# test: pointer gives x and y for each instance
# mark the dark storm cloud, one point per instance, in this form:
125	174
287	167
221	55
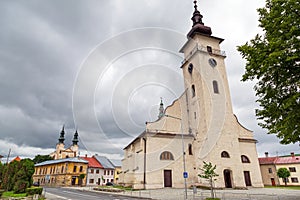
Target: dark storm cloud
44	43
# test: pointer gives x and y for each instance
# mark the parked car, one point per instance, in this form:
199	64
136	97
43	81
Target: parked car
37	184
109	184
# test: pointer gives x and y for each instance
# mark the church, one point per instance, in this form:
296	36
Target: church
198	126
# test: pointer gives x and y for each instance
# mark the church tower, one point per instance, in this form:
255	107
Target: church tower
198	126
74	146
60	146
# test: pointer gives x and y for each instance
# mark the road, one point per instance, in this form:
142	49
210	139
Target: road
71	194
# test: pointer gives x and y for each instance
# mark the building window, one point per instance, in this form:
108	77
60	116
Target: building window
190	68
80	168
62	169
190	149
166	155
112	180
97	171
215	86
270	170
75	168
111	172
104	172
225	154
193	91
92	171
103	180
287	180
292	169
91	181
245	159
294	180
195	115
209	49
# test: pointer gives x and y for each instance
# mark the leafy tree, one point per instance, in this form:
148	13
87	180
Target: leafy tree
283	173
81	177
273	59
41	158
208	172
17	175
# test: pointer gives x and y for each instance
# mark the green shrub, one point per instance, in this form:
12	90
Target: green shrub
34	190
212	199
20	186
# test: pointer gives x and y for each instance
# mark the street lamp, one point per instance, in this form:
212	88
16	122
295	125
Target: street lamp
185	174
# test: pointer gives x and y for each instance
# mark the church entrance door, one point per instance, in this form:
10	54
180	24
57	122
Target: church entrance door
227	178
247	178
167	178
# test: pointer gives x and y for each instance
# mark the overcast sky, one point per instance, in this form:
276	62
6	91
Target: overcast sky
101	67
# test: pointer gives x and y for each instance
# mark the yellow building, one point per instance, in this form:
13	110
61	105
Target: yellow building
61	172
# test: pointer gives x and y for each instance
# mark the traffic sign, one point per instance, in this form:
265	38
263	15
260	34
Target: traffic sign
185	174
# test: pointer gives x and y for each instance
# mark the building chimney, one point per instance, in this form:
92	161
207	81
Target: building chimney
292	154
267	154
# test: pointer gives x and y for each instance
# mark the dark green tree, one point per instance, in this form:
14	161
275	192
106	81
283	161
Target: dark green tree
41	158
208	172
283	173
273	59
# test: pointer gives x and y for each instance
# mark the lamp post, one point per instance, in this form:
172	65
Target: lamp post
185	174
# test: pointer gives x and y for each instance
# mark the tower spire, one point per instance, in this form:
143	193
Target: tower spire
61	138
198	25
75	138
161	109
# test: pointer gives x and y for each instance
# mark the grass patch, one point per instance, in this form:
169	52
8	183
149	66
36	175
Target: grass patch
12	194
283	187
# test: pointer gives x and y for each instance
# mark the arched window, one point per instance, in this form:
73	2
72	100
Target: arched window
190	149
245	159
166	155
215	86
225	154
193	91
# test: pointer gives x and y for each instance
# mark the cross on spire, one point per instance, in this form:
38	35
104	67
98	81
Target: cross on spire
198	25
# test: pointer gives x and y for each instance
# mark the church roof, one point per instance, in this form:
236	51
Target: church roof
51	162
157	134
93	162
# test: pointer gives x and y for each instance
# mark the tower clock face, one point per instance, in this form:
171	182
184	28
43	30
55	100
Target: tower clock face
212	62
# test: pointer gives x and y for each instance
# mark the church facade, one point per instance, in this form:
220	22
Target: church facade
198	126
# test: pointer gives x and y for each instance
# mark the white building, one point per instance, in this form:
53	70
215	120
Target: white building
201	122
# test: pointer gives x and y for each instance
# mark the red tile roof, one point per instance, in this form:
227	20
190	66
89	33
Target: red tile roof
279	160
267	160
93	162
288	160
16	159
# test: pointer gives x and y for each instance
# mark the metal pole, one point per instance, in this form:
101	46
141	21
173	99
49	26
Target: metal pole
183	154
183	157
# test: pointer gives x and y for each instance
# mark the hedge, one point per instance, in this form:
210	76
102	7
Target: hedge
34	190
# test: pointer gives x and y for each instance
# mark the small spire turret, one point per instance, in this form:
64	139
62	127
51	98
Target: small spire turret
75	138
61	138
161	109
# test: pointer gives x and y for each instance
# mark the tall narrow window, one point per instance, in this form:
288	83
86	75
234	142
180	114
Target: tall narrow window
195	115
190	149
209	49
75	168
215	86
193	91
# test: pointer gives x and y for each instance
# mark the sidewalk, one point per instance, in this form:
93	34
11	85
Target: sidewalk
228	194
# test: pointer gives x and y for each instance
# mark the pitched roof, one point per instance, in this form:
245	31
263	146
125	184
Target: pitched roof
16	159
267	160
93	162
279	160
50	162
288	160
105	162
